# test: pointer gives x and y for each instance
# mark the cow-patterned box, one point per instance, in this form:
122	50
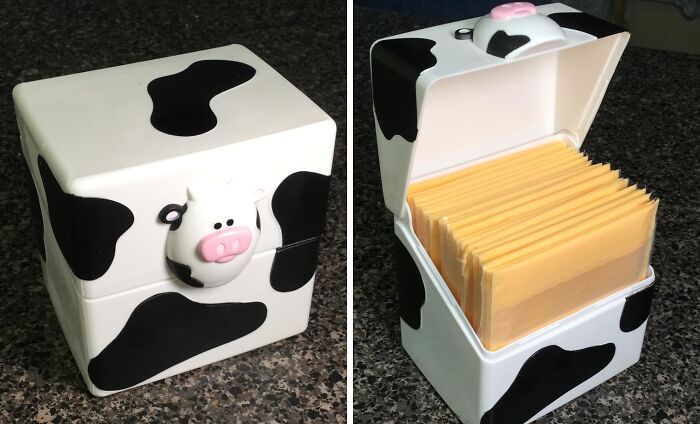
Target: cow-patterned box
458	94
183	201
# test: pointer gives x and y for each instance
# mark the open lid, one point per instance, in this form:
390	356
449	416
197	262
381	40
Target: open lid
453	94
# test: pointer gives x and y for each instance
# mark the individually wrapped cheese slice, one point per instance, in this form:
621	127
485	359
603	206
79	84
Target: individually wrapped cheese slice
430	202
482	215
491	174
565	273
508	160
522	200
483	231
491	194
526	242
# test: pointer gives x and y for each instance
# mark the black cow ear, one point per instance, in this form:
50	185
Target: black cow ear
172	214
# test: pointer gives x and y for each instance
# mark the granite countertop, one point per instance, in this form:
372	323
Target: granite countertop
649	126
300	378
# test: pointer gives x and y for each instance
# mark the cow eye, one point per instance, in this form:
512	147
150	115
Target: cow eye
217	225
229	222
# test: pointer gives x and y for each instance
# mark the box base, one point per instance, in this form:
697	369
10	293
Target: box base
96	329
528	378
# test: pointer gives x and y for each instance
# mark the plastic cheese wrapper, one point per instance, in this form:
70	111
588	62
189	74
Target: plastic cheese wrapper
526	294
524	231
429	193
534	199
459	196
529	238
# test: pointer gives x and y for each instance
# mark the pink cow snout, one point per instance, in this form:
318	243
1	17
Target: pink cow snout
224	245
513	10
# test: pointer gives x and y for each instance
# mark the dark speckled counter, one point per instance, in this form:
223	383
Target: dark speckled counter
298	379
649	126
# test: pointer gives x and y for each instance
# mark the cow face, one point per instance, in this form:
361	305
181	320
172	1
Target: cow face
516	29
213	236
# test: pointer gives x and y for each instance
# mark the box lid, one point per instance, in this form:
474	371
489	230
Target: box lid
111	150
144	112
457	93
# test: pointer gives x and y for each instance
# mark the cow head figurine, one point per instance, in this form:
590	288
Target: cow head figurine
213	236
514	30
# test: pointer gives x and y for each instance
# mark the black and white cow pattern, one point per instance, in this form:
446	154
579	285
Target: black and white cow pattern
86	228
168	328
396	65
409	283
544	377
637	309
502	43
585	23
299	205
181	101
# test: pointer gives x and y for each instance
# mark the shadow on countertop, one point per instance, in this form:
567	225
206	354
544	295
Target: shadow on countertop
300	378
649	126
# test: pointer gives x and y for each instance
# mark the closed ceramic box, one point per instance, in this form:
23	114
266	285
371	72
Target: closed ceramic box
452	96
183	201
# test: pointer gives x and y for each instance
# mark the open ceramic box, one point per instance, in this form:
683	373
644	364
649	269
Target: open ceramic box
183	202
472	106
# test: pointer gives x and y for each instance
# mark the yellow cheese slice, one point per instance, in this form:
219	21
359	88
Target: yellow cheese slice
482	232
529	241
458	192
508	160
559	232
475	177
521	200
488	174
506	187
622	239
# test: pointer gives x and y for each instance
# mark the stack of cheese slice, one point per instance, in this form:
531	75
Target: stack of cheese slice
529	238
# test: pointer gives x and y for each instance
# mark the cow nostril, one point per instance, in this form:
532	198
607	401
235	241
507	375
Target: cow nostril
235	244
220	248
229	222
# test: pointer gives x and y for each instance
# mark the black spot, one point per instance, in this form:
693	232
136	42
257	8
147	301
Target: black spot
86	228
299	204
167	210
547	375
257	219
35	210
396	65
183	273
410	286
229	222
294	265
501	44
586	23
167	329
181	101
637	308
217	225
